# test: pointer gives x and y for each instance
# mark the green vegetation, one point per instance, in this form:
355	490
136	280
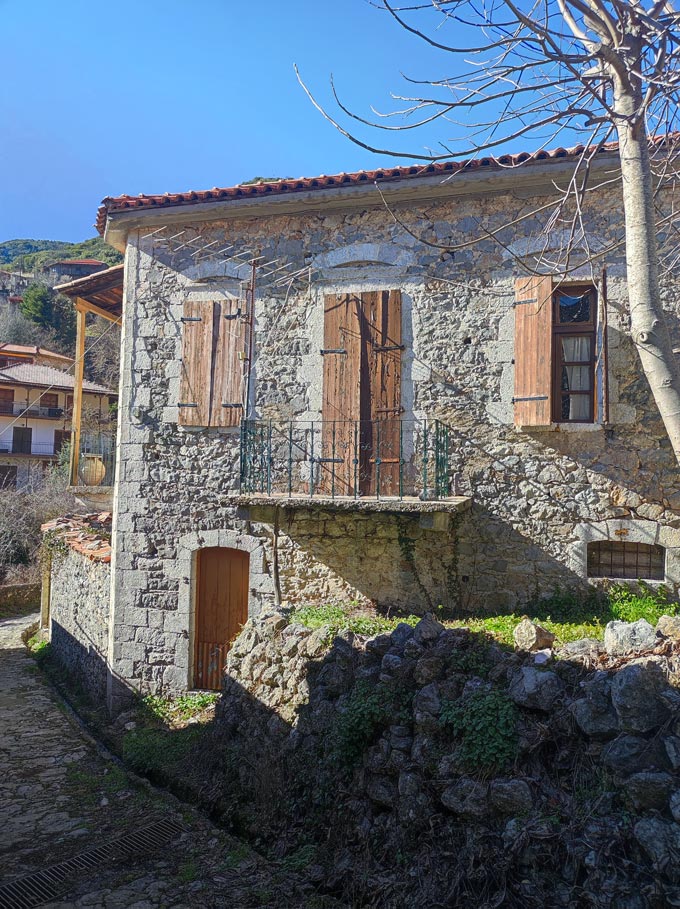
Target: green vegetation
30	255
340	618
569	615
179	709
369	710
154	751
486	723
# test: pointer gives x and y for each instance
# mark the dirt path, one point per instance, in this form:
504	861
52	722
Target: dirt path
60	799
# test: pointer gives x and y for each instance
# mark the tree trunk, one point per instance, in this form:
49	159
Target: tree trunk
648	326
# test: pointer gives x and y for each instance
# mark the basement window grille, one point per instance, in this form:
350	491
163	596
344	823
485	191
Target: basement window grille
627	561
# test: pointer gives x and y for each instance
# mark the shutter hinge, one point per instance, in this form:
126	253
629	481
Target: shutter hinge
332	350
191	319
233	315
523	302
531	398
379	349
185	404
231	405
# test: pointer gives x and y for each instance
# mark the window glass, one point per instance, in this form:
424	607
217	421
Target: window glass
574	309
576	349
576	408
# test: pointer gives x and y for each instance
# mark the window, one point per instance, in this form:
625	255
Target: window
556	351
213	358
573	399
630	561
8	477
6	400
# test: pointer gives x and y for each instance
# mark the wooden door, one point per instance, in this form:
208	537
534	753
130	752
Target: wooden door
22	437
7	400
221	610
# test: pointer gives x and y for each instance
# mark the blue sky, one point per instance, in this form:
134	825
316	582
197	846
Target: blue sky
143	96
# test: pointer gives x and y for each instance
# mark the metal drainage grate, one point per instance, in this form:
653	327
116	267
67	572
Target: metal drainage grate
46	885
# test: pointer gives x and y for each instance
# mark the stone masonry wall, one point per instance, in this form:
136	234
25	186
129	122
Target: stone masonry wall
535	494
79	618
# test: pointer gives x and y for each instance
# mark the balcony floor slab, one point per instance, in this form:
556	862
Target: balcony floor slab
348	504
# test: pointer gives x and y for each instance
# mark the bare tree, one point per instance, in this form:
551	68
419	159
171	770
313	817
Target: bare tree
547	70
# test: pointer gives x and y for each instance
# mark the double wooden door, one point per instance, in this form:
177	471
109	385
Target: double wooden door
221	610
361	413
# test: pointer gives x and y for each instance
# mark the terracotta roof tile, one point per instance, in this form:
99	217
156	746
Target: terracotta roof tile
88	534
46	377
305	184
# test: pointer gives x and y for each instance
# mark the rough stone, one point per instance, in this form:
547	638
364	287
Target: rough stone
510	796
631	754
649	789
674	805
660	840
635	695
669	627
466	797
536	689
530	636
672	745
382	791
624	638
594	721
428	629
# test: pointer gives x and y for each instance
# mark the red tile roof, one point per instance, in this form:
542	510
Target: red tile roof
305	184
24	350
88	534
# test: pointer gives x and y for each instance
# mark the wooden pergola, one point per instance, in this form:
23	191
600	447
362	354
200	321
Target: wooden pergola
102	295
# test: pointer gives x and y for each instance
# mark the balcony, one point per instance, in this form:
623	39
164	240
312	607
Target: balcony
34	411
379	465
31	449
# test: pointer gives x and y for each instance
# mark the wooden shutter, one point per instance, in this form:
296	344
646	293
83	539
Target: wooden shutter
197	356
341	402
229	362
382	390
533	351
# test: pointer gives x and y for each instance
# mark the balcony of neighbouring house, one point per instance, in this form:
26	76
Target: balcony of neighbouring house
34	411
27	448
363	465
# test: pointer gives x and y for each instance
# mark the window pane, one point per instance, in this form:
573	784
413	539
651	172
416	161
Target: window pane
576	378
576	350
576	408
574	309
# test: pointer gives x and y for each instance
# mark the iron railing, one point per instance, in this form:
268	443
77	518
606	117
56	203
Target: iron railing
97	459
347	458
28	447
30	410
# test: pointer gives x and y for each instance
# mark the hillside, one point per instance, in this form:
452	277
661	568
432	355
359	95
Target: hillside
32	254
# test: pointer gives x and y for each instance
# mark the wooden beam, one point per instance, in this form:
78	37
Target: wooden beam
76	416
86	306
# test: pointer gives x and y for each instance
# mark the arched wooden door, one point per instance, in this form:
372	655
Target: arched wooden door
221	610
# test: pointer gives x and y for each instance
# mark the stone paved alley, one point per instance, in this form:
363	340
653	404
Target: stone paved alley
59	797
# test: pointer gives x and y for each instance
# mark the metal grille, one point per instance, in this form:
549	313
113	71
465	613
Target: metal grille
347	458
46	885
629	561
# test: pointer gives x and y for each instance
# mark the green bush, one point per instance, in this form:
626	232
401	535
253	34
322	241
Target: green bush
486	723
369	710
628	604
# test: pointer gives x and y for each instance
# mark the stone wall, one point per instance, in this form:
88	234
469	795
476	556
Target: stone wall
562	767
532	491
79	618
19	597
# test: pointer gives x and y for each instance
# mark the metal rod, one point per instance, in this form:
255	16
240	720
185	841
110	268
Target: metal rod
311	471
401	459
425	443
333	467
290	458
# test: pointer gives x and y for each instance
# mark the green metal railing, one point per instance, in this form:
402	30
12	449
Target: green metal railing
346	458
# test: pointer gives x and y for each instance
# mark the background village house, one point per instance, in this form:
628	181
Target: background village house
317	403
36	403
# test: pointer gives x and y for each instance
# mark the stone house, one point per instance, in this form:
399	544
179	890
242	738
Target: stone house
330	391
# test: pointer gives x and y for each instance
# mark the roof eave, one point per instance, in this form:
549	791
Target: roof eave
531	176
